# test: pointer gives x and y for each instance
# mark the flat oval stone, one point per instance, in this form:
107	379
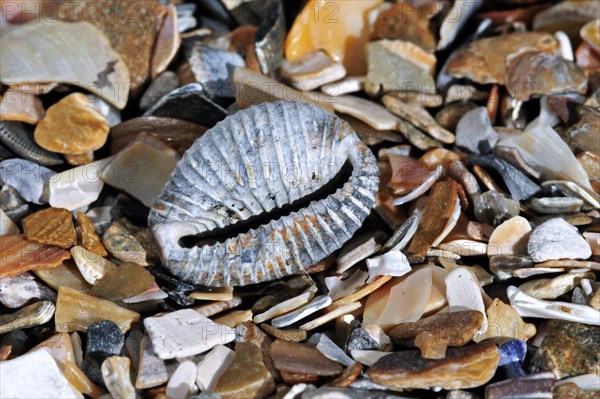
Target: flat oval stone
50	226
550	205
463	367
72	126
302	358
557	239
28	178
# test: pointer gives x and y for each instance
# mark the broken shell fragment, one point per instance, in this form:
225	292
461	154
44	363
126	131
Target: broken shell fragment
319	145
52	51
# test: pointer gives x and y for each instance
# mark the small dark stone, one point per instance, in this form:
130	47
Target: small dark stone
177	290
494	208
520	186
162	85
189	103
475	133
361	340
104	339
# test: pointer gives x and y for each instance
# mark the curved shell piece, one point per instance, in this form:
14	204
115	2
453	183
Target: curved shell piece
261	160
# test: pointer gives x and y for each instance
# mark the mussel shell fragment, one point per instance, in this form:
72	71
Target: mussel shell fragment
253	163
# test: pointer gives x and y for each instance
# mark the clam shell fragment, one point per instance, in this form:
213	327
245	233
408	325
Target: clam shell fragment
252	163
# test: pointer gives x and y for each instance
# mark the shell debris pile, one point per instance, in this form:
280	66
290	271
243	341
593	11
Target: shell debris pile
300	199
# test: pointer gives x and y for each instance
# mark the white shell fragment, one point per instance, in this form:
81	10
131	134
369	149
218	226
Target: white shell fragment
348	85
371	113
63	52
392	263
311	71
181	384
92	266
339	288
16	291
286	306
35	375
212	367
288	150
557	239
510	237
77	187
422	189
359	248
464	293
330	350
318	303
528	306
185	333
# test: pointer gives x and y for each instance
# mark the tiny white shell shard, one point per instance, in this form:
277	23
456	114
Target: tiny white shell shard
212	367
590	198
417	192
528	306
63	52
181	384
311	71
415	219
392	263
359	248
566	49
458	15
347	85
463	248
286	306
371	113
318	303
337	312
259	159
449	224
92	266
339	288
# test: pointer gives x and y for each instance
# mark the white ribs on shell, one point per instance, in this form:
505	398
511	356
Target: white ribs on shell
252	163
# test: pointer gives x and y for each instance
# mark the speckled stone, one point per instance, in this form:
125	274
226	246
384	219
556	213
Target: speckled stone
361	340
104	339
130	243
557	239
568	349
